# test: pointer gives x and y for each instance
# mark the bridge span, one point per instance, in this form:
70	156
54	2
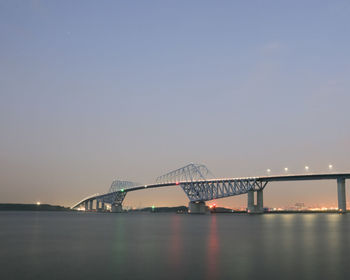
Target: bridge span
199	190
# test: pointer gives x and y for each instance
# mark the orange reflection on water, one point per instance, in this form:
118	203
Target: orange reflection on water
213	250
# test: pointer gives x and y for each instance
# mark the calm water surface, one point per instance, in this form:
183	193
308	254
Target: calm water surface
56	245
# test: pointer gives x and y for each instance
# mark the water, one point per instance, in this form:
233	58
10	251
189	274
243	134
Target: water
65	245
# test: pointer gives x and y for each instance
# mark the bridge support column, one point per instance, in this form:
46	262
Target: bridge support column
251	206
116	208
257	208
260	201
103	206
341	195
90	204
197	207
97	205
86	204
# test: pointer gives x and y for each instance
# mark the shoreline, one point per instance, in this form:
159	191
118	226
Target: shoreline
176	209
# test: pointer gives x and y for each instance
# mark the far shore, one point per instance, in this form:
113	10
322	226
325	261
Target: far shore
31	207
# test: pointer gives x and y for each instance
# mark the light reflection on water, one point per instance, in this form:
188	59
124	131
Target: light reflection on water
213	250
176	247
168	246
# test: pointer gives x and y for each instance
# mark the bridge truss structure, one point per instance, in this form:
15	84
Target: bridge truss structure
213	189
189	173
118	185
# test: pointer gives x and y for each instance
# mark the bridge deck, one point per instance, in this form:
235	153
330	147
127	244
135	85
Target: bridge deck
305	177
263	179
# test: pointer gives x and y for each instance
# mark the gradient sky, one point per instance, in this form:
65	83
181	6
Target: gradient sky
92	91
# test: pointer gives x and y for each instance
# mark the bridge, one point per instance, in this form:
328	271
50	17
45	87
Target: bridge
194	181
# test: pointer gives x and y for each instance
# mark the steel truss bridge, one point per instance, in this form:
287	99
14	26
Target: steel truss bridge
194	181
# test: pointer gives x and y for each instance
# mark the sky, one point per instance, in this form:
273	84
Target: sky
92	91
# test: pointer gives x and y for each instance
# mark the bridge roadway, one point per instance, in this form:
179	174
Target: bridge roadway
204	190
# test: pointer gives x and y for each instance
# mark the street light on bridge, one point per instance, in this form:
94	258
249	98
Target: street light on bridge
330	167
307	168
286	169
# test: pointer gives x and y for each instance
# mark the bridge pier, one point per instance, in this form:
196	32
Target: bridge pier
86	205
341	195
90	204
257	208
197	207
260	201
97	205
116	208
251	205
103	206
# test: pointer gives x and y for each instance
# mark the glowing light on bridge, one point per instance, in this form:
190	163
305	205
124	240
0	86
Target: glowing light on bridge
38	203
286	169
330	167
307	168
176	183
268	170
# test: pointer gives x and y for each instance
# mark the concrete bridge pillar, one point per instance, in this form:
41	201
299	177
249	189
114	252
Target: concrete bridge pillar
251	206
341	195
259	206
86	205
116	208
197	207
103	206
90	204
260	201
97	205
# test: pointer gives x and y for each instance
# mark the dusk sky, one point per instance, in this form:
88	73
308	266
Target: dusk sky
93	91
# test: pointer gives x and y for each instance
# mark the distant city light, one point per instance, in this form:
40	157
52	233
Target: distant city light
268	170
122	190
153	207
330	166
286	169
177	183
38	203
307	168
